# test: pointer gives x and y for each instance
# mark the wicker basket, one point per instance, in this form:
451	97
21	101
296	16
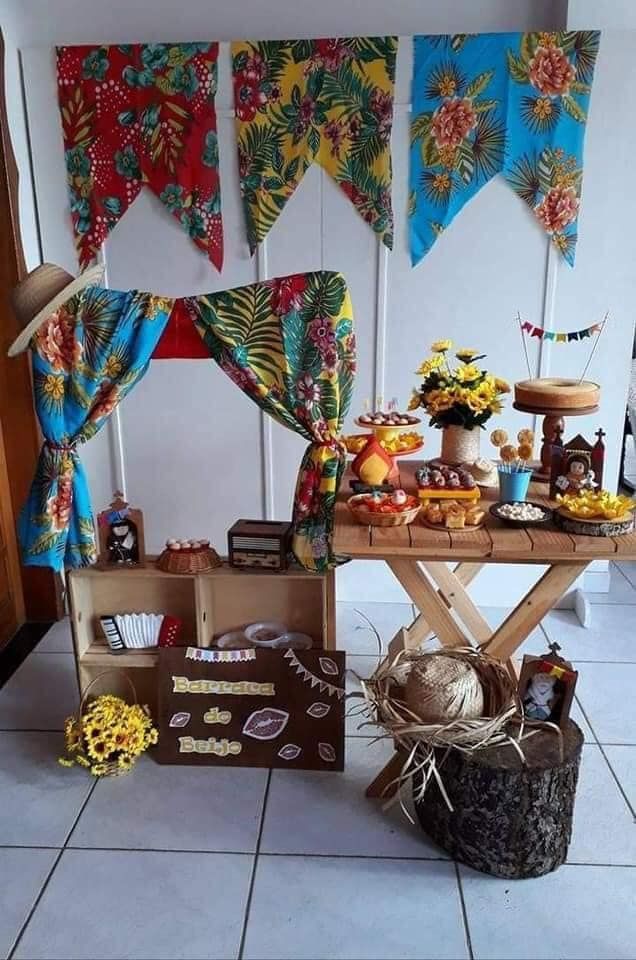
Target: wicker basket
112	767
381	519
199	560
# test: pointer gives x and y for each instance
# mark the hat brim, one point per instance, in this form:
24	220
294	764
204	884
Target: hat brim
88	278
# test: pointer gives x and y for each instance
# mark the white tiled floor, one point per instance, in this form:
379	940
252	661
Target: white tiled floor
187	862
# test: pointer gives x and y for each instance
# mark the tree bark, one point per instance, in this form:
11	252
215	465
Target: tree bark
509	819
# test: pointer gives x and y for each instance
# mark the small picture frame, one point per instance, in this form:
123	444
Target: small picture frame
546	688
577	466
121	534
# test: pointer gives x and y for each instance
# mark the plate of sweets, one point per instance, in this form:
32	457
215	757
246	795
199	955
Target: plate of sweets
408	442
595	513
438	481
455	515
521	513
384	509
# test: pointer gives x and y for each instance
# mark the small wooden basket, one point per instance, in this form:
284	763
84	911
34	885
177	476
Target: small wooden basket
199	560
370	519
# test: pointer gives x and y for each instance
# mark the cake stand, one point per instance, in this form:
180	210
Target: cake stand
552	428
390	432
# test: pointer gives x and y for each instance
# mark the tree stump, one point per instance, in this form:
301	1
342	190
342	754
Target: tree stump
509	819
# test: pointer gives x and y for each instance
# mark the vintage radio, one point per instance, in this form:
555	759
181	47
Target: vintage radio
259	544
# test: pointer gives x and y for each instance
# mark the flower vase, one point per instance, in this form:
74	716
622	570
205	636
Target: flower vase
459	445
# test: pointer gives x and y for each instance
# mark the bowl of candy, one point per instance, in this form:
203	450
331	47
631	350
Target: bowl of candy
384	509
521	513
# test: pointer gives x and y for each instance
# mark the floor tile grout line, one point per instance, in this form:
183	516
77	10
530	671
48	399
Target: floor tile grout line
34	906
248	902
598	743
462	901
37	900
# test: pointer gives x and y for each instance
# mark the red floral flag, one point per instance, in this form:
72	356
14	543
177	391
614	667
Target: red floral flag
141	114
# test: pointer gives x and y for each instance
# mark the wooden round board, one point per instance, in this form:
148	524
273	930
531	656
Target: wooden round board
453	530
555	411
595	527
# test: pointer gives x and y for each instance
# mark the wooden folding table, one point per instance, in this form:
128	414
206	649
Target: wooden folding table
418	556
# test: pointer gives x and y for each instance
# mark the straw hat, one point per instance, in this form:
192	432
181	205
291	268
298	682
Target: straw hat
483	471
41	293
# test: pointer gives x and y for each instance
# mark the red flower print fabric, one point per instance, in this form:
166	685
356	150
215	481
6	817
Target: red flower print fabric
141	114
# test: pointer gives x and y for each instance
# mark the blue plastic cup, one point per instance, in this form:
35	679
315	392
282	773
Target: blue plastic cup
513	485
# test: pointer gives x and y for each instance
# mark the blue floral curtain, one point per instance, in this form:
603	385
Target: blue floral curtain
514	103
86	357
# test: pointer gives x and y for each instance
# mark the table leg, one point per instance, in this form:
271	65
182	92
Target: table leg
428	601
420	630
533	608
456	597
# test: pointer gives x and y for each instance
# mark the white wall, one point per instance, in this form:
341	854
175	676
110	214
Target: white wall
197	454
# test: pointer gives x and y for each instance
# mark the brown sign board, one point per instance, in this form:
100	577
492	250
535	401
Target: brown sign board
252	708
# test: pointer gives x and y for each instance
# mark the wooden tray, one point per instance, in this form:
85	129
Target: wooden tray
595	527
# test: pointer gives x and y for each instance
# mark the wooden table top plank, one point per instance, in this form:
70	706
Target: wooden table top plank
494	542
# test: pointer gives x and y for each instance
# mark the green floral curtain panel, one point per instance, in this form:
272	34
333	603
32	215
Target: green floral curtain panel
289	345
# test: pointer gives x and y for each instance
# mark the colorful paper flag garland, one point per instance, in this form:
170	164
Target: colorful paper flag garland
560	337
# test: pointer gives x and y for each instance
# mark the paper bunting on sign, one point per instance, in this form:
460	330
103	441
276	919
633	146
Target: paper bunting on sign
300	101
220	656
311	678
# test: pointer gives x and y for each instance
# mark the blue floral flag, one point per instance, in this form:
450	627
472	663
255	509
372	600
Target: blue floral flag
511	103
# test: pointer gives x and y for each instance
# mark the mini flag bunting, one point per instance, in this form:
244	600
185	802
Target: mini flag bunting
560	337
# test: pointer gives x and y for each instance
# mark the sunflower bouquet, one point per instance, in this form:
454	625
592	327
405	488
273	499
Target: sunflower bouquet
107	736
458	394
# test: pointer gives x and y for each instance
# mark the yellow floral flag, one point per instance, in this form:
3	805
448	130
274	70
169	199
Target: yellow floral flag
330	100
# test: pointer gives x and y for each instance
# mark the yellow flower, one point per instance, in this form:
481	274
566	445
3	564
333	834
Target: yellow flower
502	386
441	346
447	85
112	367
414	402
428	366
467	373
438	400
447	155
466	354
54	387
542	108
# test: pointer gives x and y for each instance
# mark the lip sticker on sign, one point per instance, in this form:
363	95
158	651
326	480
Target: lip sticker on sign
328	666
289	752
266	724
318	710
327	752
180	719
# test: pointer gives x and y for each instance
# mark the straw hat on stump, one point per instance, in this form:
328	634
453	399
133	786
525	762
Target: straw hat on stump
42	292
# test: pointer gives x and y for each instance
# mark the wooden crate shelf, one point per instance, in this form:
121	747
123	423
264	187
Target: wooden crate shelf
209	604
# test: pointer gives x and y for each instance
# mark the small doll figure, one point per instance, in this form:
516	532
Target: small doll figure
577	476
541	697
122	544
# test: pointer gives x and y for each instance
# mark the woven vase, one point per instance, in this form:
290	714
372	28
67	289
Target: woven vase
459	445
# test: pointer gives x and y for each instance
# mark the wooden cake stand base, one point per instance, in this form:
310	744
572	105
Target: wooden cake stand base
553	425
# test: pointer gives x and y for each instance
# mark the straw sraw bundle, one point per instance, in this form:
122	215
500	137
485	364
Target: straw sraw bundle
408	699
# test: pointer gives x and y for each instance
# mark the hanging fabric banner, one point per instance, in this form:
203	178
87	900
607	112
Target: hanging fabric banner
297	101
135	115
511	103
86	357
289	345
566	337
